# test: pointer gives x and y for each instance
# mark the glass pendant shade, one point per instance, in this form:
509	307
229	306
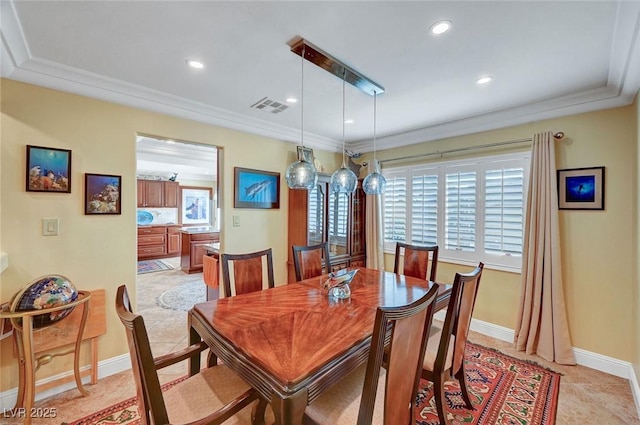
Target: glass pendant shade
343	181
374	184
301	175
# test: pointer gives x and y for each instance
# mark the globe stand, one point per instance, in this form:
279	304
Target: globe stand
27	363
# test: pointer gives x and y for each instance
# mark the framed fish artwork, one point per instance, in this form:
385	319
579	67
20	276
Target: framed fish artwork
256	189
48	169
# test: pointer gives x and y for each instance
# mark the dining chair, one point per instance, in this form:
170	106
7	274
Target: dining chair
364	396
212	396
307	260
416	261
444	357
247	272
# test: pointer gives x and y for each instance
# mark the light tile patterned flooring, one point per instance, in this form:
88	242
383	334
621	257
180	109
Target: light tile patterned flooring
586	396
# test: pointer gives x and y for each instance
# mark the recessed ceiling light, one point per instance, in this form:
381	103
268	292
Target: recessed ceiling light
349	121
292	100
440	27
195	64
484	80
171	142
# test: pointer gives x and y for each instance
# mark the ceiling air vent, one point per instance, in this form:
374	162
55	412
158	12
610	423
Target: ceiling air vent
270	105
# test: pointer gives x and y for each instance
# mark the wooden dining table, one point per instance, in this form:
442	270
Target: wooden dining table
293	342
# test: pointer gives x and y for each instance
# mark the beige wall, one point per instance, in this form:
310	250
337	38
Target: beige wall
100	251
598	247
636	305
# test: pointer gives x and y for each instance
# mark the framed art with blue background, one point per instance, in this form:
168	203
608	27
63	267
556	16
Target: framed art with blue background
102	193
48	169
581	189
256	189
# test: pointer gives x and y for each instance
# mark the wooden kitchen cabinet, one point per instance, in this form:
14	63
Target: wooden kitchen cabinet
157	194
173	241
317	215
194	248
152	242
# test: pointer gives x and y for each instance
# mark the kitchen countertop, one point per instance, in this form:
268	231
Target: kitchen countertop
203	229
212	247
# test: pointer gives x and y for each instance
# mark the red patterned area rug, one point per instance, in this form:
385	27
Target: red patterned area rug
504	391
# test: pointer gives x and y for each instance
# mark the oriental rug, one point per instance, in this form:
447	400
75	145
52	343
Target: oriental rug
183	297
504	390
150	266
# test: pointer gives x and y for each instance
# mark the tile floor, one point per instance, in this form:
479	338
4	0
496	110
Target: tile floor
586	396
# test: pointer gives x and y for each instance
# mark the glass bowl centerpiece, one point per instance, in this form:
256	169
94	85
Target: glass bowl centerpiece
337	285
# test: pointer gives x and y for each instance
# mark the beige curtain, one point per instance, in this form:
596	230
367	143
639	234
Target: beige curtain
373	226
542	327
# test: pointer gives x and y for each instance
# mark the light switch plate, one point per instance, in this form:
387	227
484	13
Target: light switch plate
236	221
50	227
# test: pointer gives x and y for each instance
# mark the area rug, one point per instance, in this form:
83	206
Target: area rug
183	297
150	266
504	390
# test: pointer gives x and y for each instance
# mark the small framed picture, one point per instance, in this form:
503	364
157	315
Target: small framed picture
195	205
102	194
48	169
581	189
256	189
305	154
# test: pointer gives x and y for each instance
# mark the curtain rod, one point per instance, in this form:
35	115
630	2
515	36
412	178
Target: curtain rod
558	136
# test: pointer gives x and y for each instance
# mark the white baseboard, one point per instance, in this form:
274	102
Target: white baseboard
105	368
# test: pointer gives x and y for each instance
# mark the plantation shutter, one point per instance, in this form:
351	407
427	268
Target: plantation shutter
424	209
504	213
395	210
460	211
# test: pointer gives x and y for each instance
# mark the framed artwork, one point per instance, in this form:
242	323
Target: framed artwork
102	194
306	154
48	169
195	205
581	189
256	189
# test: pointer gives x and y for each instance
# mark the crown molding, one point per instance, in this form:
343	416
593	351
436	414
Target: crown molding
622	86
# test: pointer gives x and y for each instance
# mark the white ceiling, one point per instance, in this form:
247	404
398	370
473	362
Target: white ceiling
548	59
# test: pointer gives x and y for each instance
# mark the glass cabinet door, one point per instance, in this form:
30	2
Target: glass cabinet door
316	208
338	221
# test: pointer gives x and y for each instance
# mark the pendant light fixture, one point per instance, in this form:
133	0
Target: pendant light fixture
375	182
343	180
301	174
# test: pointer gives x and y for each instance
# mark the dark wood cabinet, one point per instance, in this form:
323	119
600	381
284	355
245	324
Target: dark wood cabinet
194	248
318	215
173	241
158	242
157	194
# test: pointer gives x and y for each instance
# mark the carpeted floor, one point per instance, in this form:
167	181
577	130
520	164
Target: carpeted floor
504	390
151	266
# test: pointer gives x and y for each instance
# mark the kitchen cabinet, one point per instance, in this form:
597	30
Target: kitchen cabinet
157	194
194	247
158	242
317	215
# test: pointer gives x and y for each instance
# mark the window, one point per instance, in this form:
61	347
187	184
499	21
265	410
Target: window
473	209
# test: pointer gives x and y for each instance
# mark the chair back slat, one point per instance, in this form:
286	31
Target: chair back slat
247	272
408	324
149	394
308	260
416	261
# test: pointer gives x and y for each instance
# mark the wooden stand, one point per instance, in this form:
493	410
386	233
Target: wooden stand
26	349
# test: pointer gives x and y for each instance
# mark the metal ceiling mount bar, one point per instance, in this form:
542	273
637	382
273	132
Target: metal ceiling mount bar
558	136
327	62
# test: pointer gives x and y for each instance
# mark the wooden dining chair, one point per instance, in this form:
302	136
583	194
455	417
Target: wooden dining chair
247	272
416	261
307	260
213	396
444	358
364	397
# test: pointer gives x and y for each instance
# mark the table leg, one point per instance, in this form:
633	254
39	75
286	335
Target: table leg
194	338
17	334
76	354
29	367
290	411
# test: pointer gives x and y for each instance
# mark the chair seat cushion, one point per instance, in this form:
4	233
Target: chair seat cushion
201	394
432	350
340	404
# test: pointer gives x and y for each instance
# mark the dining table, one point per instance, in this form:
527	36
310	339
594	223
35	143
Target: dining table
294	341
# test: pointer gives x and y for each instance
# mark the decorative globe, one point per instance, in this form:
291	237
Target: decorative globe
46	292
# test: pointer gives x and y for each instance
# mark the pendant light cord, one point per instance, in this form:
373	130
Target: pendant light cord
343	114
302	97
375	162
